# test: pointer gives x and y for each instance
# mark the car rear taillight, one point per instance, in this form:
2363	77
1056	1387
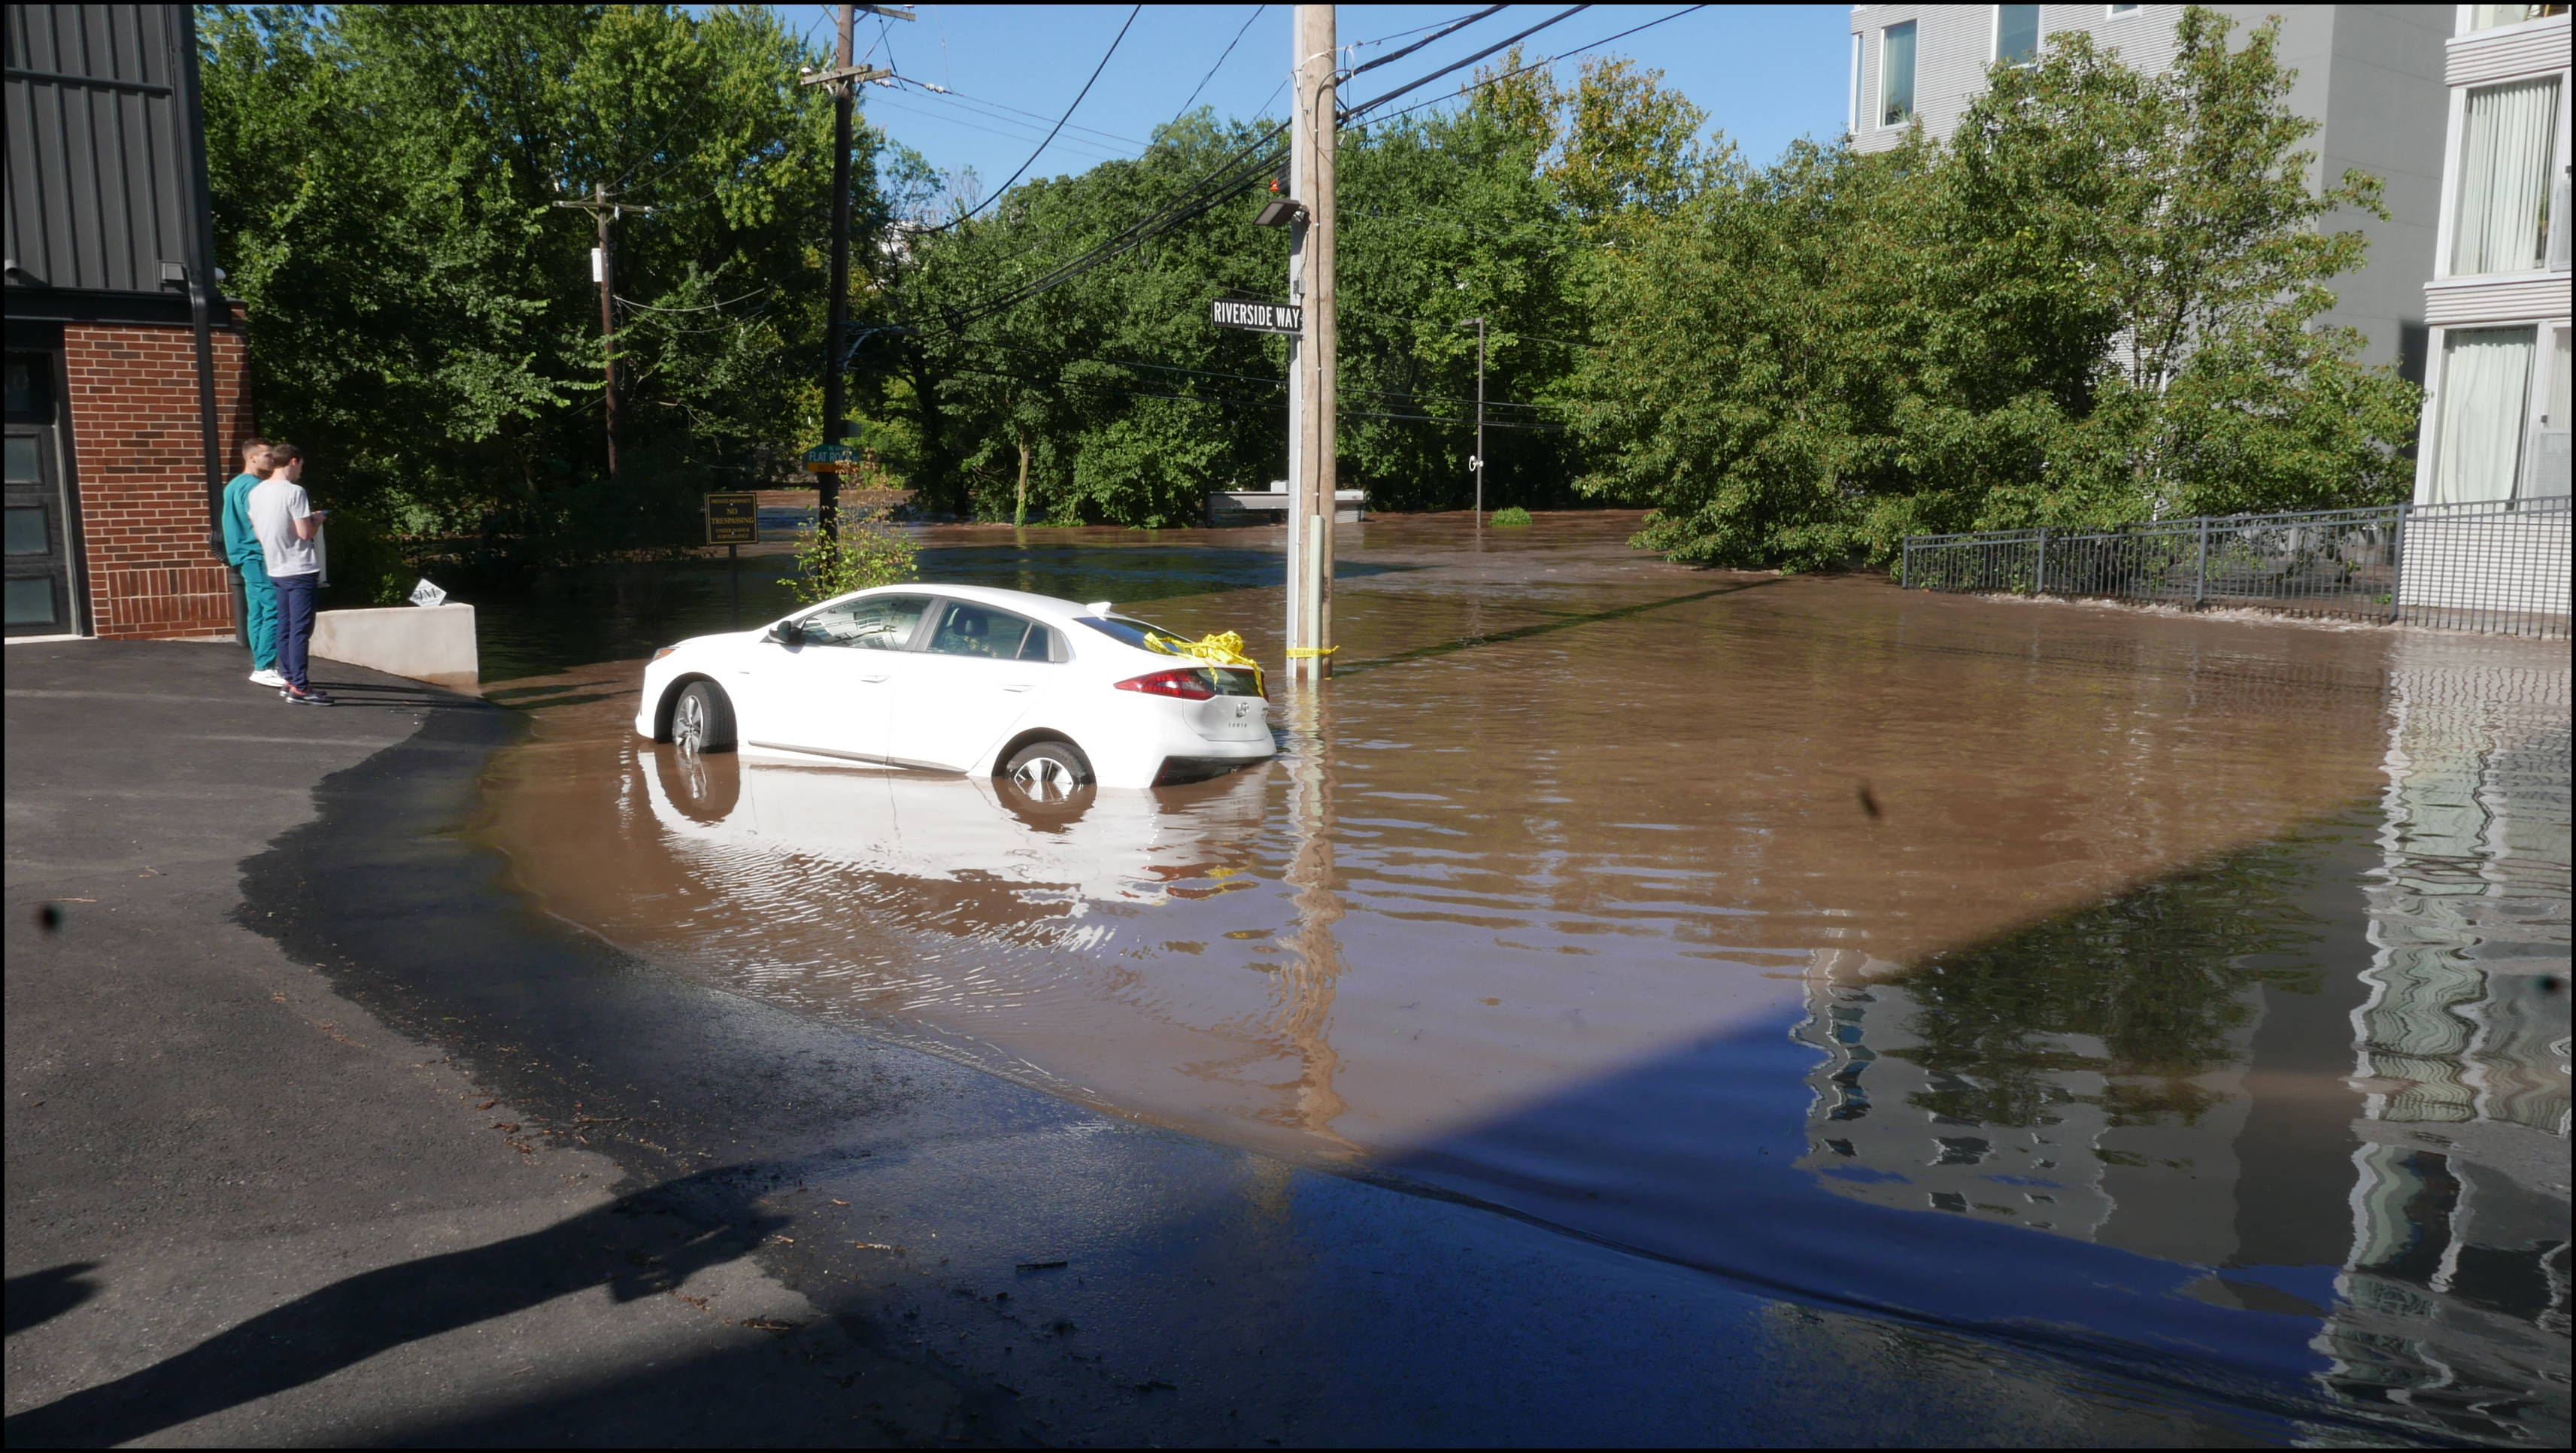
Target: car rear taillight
1185	685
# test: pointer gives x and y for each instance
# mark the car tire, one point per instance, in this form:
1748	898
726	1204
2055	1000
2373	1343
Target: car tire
1047	772
702	720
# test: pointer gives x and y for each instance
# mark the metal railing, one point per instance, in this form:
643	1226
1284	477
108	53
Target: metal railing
2499	566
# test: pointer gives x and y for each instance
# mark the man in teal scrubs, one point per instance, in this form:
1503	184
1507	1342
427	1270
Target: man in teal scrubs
241	546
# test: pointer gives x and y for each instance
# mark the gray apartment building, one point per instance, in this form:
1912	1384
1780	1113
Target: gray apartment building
2371	76
2461	110
2495	414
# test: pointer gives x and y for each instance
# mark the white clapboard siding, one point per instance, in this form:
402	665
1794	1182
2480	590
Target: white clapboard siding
2535	49
2459	302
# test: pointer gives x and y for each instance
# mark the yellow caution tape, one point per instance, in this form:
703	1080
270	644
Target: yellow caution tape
1224	648
1300	653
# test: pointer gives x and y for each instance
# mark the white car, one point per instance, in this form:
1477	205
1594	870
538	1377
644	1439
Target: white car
956	678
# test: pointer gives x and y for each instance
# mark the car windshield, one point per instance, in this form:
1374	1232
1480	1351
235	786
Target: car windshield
876	622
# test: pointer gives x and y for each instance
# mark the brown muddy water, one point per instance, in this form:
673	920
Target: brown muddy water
2187	993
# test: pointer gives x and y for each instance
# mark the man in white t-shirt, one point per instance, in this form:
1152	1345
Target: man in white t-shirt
285	521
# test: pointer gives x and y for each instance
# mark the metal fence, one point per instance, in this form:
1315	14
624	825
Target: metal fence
2497	565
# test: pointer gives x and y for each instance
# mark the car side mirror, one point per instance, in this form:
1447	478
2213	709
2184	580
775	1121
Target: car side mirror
787	633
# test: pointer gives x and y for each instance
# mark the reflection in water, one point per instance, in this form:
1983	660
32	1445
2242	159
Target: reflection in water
2179	995
2103	1075
1315	962
2454	1299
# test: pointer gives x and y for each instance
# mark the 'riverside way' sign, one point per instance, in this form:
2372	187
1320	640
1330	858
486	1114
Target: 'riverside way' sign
1259	317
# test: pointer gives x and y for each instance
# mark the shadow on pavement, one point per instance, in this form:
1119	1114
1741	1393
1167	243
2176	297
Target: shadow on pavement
639	1245
41	1296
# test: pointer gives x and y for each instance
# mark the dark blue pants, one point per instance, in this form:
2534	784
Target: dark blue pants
294	624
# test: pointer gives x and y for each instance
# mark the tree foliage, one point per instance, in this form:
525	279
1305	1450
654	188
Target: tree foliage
424	319
1130	406
2097	304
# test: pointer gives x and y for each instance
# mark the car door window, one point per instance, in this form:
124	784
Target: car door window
975	630
1040	646
872	623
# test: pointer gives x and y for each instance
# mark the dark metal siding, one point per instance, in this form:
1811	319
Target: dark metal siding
100	145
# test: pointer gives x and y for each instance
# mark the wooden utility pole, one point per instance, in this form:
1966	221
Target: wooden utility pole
844	78
603	271
836	403
1314	116
1480	421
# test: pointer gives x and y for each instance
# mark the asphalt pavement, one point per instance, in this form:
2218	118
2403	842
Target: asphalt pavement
319	1134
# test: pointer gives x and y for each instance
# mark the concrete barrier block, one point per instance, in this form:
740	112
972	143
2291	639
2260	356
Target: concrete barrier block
426	643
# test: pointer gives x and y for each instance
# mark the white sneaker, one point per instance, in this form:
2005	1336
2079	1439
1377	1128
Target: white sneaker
267	678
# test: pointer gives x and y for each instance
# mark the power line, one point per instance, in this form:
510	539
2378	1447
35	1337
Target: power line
1220	184
1021	135
1534	65
1230	177
1445	30
1401	34
1132	13
706	308
1355	112
939	90
1220	62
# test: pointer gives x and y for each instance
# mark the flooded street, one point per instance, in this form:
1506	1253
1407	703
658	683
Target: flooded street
2180	997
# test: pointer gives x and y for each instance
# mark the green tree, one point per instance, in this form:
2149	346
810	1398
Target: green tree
2096	304
1131	407
423	316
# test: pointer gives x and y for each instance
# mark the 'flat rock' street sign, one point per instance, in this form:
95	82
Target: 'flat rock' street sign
831	459
1259	317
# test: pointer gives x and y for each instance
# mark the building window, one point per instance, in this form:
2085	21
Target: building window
2545	469
2486	395
1851	122
2488	17
2016	34
2507	136
2120	9
1896	74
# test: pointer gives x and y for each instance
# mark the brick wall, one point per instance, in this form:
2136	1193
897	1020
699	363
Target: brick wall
140	466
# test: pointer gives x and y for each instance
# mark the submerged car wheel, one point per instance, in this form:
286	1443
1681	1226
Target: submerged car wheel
1046	772
703	720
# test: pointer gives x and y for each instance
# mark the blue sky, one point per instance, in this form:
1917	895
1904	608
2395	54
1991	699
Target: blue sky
1765	73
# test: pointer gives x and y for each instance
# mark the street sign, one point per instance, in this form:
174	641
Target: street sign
1258	317
831	459
733	519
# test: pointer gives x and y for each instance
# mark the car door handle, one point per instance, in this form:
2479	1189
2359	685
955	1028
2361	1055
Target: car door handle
873	679
1020	686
